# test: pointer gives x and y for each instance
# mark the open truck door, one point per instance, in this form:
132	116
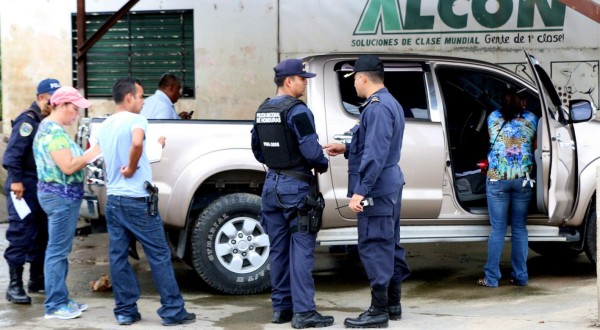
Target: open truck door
557	154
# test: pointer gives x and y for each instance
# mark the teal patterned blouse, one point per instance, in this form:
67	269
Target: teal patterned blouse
50	137
511	145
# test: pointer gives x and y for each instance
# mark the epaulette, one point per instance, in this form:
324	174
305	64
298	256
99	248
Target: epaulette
373	98
30	115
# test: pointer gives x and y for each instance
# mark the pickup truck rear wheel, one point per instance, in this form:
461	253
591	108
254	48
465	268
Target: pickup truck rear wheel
230	249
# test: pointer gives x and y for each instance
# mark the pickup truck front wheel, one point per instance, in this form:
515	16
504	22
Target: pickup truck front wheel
230	249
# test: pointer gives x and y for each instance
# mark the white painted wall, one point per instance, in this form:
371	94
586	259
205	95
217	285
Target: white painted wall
235	46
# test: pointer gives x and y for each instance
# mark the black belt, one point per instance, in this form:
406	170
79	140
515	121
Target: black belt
308	178
138	199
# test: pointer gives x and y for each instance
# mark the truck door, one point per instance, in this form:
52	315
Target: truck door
558	158
409	83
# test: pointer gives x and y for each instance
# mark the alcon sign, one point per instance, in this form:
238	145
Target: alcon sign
452	16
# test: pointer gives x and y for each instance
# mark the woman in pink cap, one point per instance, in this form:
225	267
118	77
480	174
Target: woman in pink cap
59	162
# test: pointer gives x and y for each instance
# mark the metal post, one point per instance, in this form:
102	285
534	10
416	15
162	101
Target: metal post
598	239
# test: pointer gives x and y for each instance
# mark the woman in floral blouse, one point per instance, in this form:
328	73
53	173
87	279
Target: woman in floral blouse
509	185
59	162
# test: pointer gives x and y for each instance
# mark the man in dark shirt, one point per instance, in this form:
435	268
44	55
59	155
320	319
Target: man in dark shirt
284	138
374	174
27	236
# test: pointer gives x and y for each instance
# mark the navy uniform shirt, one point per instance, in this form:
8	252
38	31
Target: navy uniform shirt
374	152
18	157
308	140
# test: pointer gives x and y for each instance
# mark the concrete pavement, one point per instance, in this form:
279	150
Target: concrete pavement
440	294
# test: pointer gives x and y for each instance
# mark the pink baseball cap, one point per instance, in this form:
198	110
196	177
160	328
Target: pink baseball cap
67	94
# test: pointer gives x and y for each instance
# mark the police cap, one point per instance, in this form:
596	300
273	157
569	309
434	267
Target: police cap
366	63
292	67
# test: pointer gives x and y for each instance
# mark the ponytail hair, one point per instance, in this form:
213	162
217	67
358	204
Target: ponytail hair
513	105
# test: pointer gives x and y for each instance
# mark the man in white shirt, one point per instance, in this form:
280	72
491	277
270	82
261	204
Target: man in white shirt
161	105
131	212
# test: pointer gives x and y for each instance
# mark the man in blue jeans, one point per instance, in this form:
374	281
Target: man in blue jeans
128	215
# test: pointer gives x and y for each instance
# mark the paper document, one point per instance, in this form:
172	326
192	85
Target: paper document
153	148
20	205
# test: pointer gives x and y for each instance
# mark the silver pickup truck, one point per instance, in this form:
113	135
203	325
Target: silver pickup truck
210	183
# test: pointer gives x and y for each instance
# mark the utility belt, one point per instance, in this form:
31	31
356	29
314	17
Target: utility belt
308	178
311	213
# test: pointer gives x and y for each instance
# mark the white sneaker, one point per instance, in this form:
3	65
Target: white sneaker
63	313
75	306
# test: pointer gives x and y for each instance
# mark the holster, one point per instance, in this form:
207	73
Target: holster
153	199
309	218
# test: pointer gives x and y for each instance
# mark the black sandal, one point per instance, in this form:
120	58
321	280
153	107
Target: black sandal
482	282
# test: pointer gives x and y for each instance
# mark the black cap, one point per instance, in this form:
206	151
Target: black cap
292	67
366	63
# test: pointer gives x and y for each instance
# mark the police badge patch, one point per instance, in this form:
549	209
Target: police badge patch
25	129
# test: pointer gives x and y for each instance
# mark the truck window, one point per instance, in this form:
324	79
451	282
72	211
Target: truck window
404	80
470	88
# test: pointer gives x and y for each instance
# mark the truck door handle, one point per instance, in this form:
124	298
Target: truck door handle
570	144
343	138
564	144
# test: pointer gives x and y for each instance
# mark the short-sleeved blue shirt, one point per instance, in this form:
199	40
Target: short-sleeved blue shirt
114	138
159	106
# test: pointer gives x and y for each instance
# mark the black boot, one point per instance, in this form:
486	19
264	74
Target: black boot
15	292
311	319
394	306
36	278
374	317
281	317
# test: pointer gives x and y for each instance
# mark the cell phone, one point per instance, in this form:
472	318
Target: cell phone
367	202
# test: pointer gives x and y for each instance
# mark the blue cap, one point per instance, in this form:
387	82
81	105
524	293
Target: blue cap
292	67
49	85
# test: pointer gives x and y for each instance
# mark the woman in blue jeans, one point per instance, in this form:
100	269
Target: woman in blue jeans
509	186
59	161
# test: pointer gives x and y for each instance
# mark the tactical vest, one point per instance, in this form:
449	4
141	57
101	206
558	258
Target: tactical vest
278	141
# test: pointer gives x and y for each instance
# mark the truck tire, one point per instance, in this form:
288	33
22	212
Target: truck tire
590	232
230	249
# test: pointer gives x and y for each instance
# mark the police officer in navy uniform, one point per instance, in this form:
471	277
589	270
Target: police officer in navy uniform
374	174
284	139
27	237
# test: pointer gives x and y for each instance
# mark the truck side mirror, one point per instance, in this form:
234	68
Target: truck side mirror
580	111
